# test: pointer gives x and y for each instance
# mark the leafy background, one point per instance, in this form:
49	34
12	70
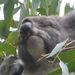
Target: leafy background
30	8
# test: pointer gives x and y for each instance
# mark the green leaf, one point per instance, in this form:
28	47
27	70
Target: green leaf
2	1
8	9
69	58
12	38
16	10
35	4
41	11
53	7
68	8
8	14
44	4
27	3
24	12
57	48
71	67
7	49
64	68
3	29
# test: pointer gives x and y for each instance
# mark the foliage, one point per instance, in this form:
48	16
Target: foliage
67	57
30	8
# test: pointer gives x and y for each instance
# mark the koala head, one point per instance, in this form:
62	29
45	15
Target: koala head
38	35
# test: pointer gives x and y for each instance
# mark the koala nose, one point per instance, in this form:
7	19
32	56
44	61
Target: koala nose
26	29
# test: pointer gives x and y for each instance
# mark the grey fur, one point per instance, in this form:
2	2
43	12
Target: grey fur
52	30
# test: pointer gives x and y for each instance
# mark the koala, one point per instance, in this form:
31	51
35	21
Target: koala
11	65
39	35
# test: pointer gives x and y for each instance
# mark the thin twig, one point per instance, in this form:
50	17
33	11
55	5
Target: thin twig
70	43
72	47
64	48
42	57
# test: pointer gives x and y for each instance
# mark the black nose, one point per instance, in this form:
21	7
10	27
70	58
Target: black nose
26	29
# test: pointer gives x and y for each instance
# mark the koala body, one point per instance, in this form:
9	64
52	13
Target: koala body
39	35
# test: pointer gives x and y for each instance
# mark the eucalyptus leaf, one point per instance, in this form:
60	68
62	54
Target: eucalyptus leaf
24	12
12	38
69	57
44	4
68	8
57	48
35	4
16	10
8	15
2	1
64	68
7	49
53	7
41	11
8	9
3	29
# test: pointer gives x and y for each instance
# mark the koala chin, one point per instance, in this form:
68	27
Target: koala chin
39	35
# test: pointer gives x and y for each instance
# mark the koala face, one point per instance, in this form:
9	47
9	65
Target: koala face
34	43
